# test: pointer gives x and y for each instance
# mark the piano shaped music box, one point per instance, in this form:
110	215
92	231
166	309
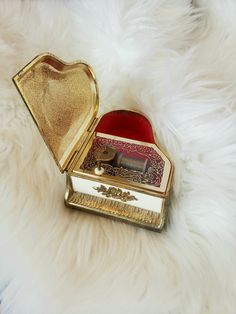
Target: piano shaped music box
113	164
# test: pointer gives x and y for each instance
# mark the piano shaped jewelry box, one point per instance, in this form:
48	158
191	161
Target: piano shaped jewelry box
114	166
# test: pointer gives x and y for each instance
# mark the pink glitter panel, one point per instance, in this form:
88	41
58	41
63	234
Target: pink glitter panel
152	176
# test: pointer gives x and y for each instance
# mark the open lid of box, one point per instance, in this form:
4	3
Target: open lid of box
63	100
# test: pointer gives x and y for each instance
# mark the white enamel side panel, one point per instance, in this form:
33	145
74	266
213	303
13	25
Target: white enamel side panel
144	201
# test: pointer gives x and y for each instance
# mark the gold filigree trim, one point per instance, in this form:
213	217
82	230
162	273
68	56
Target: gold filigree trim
115	193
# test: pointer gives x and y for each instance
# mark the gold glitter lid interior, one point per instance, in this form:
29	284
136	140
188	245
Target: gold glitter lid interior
63	100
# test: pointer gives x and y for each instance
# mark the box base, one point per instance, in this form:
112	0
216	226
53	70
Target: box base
115	210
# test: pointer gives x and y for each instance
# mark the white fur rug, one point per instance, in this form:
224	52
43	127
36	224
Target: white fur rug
174	60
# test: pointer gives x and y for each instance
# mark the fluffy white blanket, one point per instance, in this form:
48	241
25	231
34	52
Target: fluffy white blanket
174	60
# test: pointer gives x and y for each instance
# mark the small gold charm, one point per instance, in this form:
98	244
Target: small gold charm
115	193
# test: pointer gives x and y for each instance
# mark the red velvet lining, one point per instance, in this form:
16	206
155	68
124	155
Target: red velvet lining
126	124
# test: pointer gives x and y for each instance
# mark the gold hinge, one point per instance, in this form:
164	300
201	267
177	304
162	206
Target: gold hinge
92	125
82	144
71	160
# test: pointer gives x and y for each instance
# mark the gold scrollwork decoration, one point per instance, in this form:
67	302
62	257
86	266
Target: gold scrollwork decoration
115	193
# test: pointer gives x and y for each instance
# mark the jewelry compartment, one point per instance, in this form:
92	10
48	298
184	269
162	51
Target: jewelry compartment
131	154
